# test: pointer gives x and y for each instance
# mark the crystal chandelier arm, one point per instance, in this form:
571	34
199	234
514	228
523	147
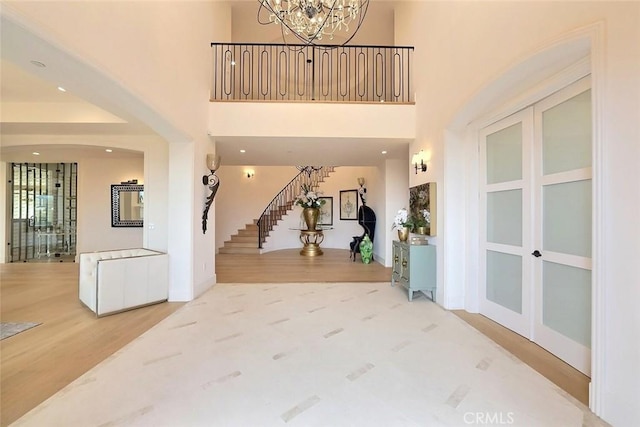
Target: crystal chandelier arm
309	20
275	17
264	4
362	13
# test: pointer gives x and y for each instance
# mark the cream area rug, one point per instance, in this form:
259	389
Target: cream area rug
9	329
306	355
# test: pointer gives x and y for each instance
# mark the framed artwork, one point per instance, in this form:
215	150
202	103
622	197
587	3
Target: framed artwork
326	212
423	197
349	205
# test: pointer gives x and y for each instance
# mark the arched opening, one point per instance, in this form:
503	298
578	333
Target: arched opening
544	72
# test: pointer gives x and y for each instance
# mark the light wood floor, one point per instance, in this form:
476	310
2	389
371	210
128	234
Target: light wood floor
39	362
288	266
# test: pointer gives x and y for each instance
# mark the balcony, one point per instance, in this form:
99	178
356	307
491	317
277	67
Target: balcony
299	91
278	72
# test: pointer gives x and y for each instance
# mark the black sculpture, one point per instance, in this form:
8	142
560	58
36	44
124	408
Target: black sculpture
367	219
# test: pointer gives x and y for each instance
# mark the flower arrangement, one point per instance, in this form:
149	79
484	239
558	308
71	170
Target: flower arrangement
309	198
423	219
402	219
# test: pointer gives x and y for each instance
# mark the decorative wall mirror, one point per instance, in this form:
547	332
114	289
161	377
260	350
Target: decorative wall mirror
127	205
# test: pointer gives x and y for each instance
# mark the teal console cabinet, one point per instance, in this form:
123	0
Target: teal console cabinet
414	267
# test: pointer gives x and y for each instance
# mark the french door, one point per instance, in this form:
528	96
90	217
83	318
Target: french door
506	235
536	230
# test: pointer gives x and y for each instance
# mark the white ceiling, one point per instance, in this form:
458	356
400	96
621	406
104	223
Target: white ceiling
62	153
310	151
21	82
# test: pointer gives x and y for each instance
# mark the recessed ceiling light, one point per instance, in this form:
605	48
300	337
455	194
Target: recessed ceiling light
38	64
61	89
35	153
243	151
384	152
109	150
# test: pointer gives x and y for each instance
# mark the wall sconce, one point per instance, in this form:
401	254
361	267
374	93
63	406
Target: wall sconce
213	182
250	173
362	191
418	162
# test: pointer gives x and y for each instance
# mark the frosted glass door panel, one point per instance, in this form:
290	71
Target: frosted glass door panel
504	280
567	218
567	135
504	217
566	298
504	155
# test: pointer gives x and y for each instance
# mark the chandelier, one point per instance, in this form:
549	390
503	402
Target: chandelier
311	20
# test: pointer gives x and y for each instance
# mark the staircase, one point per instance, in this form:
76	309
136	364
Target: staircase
249	240
244	242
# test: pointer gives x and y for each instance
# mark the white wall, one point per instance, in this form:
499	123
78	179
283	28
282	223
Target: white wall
156	179
396	185
377	200
95	177
349	120
461	48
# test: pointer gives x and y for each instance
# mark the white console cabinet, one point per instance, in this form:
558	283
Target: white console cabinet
414	267
114	281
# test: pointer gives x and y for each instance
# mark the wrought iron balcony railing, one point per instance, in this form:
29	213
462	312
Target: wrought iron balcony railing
279	72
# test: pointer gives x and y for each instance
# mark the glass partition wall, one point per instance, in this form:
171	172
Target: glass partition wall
44	206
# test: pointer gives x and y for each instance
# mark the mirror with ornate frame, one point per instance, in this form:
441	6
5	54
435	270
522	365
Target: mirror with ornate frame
127	205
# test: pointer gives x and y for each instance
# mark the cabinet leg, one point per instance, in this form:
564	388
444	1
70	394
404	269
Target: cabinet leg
410	296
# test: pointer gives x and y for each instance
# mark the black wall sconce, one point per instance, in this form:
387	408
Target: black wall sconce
213	182
418	162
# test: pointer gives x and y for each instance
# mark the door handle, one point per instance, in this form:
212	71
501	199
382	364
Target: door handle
536	253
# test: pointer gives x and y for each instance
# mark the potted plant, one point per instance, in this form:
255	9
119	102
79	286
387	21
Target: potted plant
404	223
421	221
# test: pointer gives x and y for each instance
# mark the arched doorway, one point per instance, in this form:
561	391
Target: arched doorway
526	83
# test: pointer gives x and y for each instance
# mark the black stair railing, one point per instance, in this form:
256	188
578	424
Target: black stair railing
279	72
283	201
